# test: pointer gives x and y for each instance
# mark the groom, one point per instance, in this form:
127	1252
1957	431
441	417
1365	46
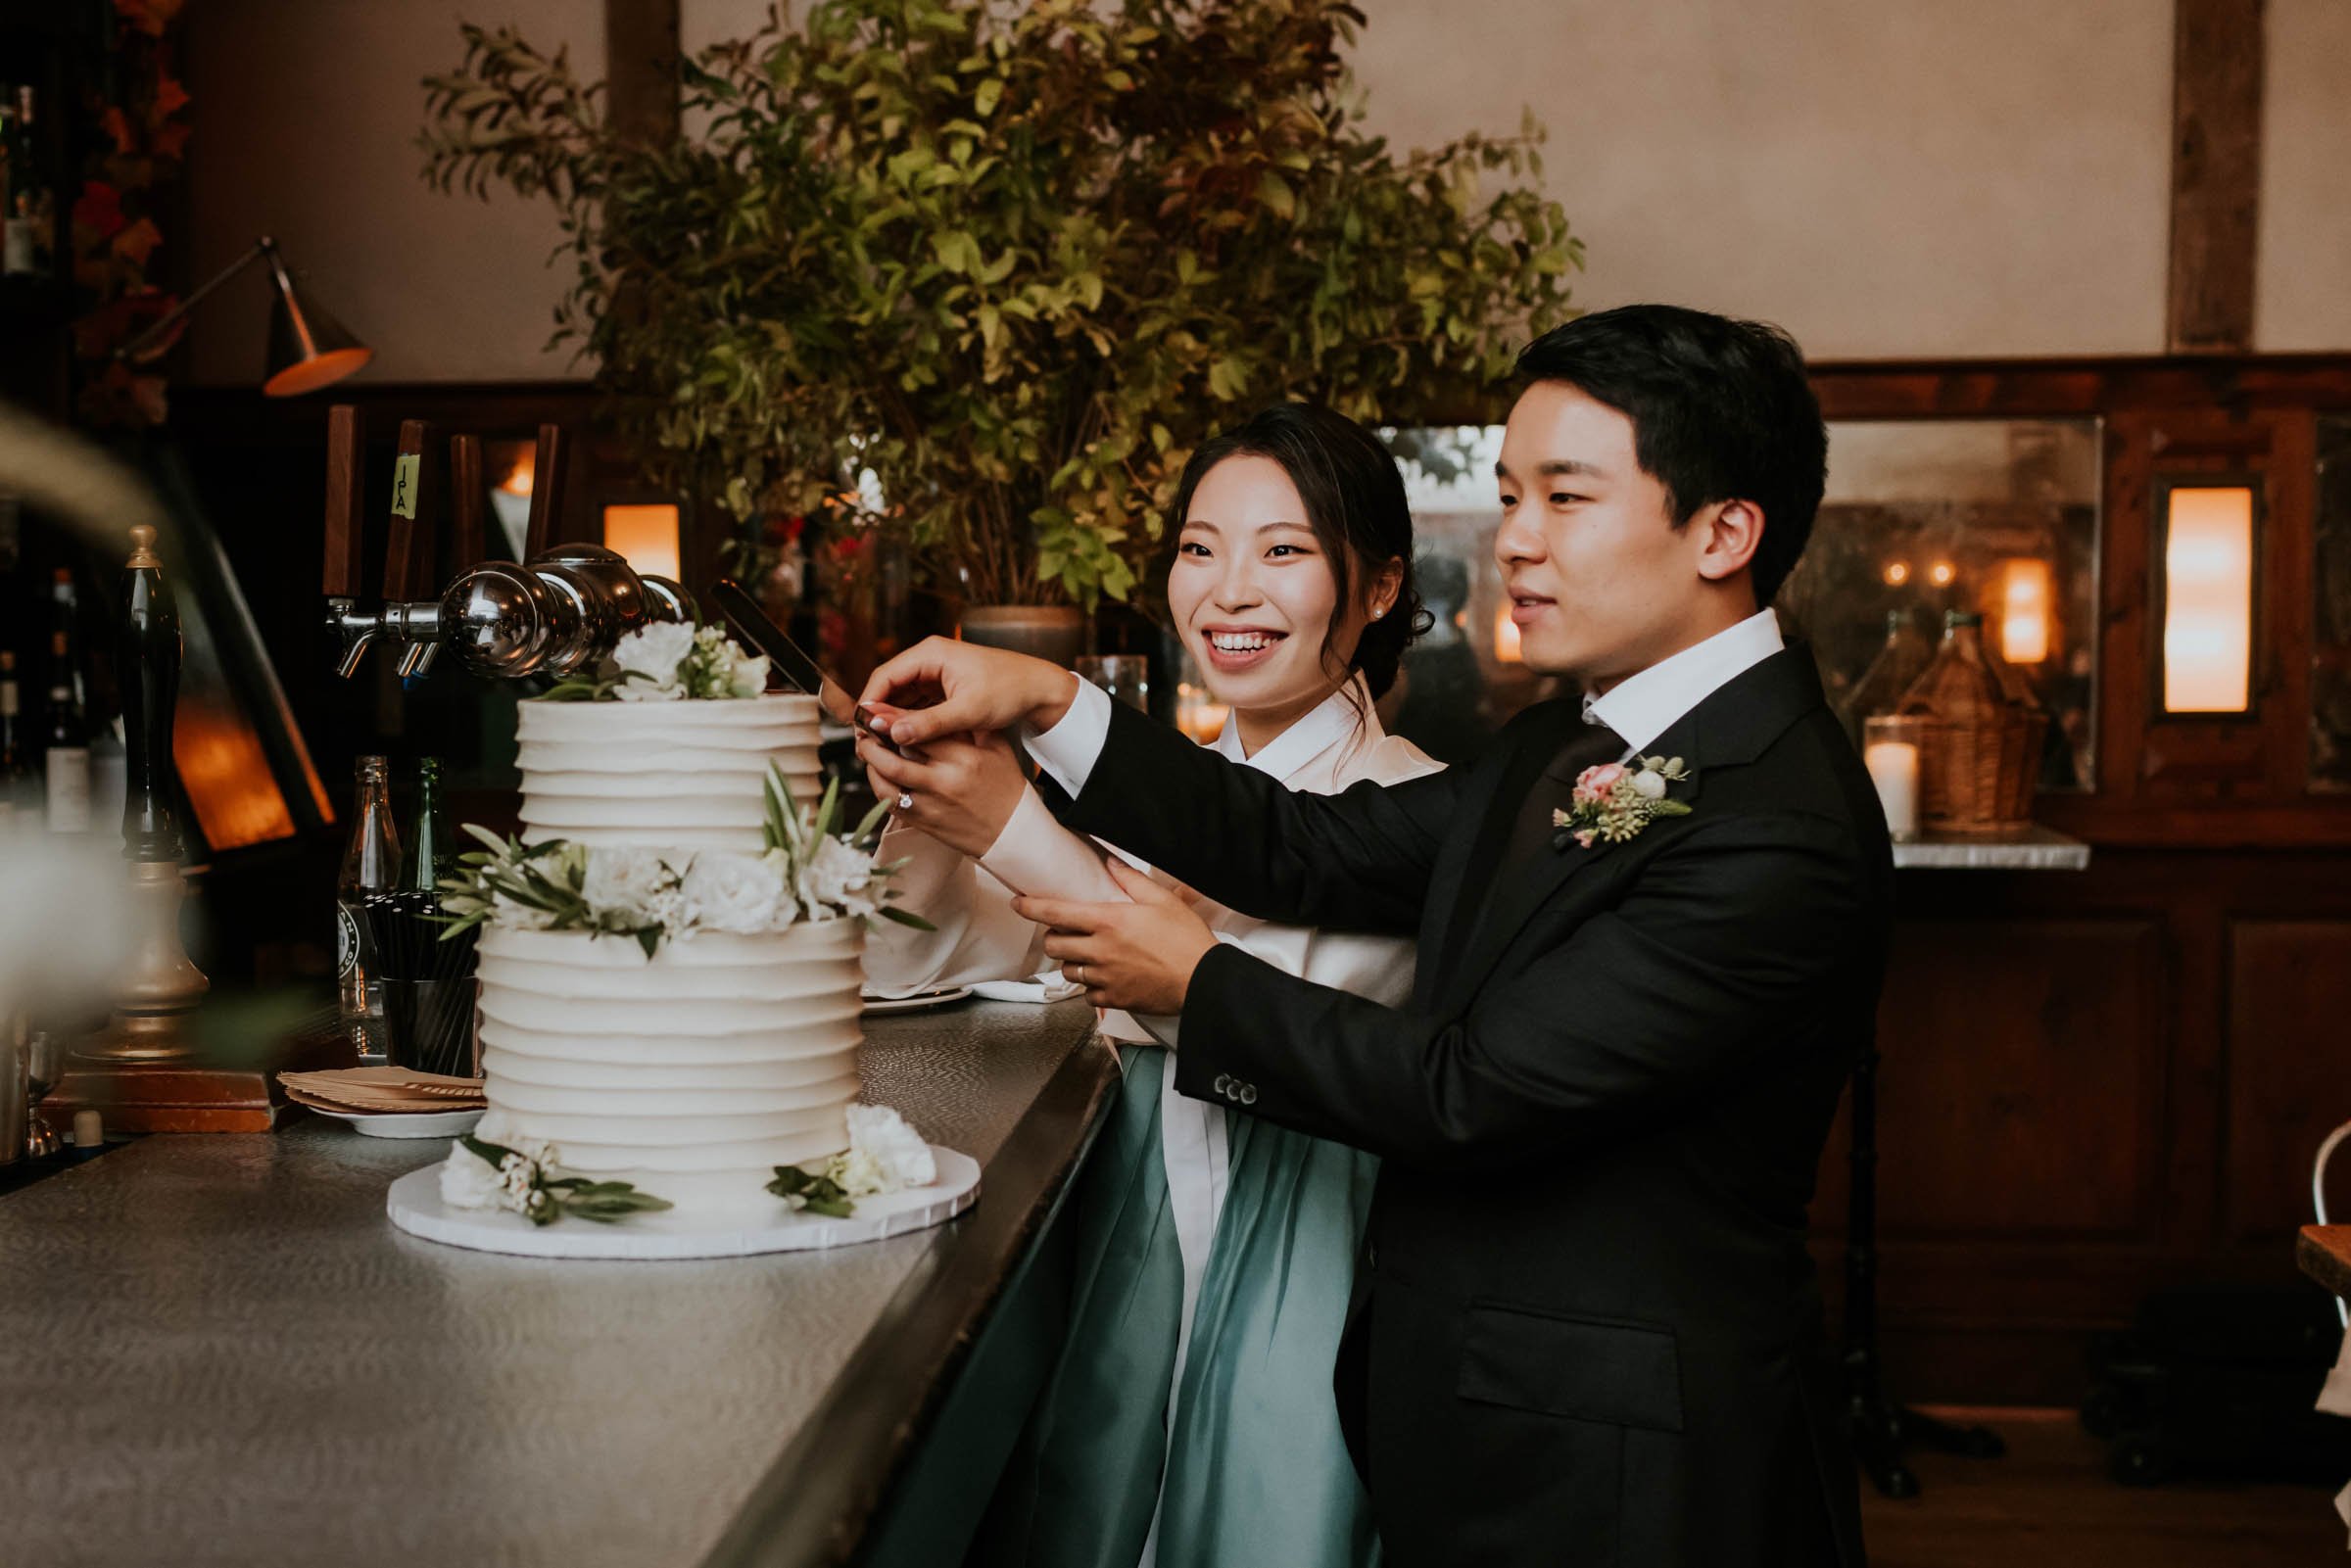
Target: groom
1588	1330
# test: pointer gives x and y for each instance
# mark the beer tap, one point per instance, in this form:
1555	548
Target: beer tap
555	617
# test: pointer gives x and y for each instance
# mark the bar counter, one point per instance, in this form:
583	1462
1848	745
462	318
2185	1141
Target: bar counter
215	1348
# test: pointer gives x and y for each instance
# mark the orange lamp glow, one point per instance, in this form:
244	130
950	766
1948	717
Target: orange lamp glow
2024	611
519	477
2208	599
1506	636
1896	573
1942	574
646	537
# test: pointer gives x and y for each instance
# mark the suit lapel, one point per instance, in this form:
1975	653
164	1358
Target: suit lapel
1729	729
1465	873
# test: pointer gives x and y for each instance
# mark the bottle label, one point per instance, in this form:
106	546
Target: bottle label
17	250
68	808
8	700
346	942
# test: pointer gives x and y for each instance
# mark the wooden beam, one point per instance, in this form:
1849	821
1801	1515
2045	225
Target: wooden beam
2216	174
641	69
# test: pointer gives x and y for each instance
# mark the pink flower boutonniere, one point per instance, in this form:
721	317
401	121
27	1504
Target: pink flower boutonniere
1615	800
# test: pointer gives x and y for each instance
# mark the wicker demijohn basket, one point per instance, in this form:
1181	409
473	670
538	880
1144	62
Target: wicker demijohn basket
1980	750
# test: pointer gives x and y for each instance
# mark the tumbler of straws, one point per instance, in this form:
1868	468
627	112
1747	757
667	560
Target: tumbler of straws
428	984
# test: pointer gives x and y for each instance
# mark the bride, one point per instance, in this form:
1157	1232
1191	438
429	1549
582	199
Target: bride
1191	1421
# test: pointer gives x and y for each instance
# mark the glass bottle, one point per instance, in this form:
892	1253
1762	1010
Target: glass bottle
430	853
19	191
67	763
369	866
19	795
1904	657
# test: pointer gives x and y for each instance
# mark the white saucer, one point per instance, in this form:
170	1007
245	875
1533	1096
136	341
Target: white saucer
416	1206
917	1002
406	1123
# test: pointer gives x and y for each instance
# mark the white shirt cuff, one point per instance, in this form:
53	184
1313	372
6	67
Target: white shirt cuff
1069	751
1037	856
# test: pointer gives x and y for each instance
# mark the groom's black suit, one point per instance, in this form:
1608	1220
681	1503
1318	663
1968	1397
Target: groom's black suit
1589	1331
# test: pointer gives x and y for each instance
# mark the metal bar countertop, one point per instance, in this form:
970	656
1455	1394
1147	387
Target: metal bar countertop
215	1348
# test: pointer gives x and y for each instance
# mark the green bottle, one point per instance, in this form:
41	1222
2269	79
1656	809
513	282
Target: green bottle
430	854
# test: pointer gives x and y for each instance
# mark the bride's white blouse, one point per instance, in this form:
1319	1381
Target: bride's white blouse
979	937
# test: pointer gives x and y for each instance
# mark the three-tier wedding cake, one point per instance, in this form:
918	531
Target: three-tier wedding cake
670	963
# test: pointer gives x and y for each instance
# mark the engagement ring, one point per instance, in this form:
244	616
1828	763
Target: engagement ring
905	800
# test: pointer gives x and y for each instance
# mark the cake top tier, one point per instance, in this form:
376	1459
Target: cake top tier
787	718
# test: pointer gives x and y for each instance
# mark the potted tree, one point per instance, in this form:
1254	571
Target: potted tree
986	275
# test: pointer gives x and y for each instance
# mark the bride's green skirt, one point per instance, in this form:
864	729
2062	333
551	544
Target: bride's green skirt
1254	1470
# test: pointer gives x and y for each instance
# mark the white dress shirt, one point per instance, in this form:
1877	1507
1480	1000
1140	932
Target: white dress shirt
1641	707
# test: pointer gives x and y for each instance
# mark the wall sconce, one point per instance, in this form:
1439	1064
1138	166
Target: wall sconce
2023	608
1506	636
646	537
2206	590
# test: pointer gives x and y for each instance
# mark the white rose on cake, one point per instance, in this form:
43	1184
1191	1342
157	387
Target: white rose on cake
837	879
633	884
651	655
728	893
885	1155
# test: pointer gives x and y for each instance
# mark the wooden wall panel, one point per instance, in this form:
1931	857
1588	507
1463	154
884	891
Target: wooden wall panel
2288	1071
2021	1089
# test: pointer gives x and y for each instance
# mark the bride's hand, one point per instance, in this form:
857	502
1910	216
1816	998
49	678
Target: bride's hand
963	788
1139	956
977	688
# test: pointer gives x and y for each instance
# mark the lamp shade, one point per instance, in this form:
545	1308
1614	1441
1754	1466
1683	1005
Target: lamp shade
308	348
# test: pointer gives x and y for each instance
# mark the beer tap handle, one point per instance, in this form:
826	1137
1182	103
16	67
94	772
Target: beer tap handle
465	502
346	530
345	502
409	552
547	492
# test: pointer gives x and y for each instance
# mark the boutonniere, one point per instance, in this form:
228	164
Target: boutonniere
1615	800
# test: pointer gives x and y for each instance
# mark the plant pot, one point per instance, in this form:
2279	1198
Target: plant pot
1055	632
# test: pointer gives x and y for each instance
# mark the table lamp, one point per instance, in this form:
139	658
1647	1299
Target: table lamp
308	348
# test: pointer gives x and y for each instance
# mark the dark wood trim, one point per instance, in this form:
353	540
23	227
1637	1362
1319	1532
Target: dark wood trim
641	69
817	1500
2216	53
1944	389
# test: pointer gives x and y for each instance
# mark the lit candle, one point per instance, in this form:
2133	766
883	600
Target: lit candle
1893	769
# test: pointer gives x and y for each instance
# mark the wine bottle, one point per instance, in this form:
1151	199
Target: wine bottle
20	795
369	866
430	854
66	764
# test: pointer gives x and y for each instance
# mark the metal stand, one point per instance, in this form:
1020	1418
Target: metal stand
1881	1428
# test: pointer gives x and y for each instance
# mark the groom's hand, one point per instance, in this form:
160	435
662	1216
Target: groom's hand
1136	957
977	688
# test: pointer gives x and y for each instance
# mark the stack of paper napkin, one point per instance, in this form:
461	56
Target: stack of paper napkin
382	1090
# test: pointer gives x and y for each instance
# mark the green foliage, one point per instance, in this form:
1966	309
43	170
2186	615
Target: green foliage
1018	262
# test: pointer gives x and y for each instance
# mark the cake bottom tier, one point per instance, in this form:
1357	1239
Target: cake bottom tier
691	1074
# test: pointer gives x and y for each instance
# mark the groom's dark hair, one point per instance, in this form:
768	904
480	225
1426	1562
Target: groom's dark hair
1721	411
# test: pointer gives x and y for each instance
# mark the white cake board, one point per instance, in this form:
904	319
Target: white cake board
415	1205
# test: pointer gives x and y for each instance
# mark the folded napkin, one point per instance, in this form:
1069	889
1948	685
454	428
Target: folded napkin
382	1090
1045	986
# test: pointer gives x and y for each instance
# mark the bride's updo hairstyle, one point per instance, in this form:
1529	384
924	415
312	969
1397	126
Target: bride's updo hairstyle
1355	504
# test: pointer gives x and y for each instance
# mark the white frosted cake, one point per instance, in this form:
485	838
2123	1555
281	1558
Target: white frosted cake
661	775
692	1073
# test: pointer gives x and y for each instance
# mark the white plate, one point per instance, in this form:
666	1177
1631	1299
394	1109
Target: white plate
917	1002
416	1206
406	1123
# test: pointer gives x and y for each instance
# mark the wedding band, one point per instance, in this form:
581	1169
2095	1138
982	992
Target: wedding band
905	800
1080	977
